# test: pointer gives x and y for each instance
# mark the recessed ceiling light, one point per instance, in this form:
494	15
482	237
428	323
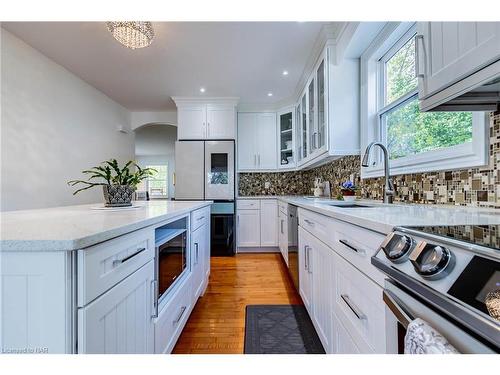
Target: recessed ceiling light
202	89
285	72
269	94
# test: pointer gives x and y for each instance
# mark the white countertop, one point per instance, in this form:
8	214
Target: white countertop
383	218
77	227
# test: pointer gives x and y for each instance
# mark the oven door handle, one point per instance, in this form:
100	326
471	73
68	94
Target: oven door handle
397	308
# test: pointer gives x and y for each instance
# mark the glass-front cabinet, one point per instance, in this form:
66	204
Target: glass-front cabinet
286	138
313	116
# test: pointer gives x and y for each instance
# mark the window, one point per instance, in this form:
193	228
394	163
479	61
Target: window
156	185
416	141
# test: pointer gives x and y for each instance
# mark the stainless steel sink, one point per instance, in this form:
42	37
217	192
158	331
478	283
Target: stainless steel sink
346	205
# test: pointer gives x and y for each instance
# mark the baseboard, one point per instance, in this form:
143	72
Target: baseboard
240	250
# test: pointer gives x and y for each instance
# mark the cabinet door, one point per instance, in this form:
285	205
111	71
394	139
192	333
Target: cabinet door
266	141
248	228
268	222
303	126
191	122
207	249
305	269
311	115
247	130
221	122
322	106
322	284
282	235
120	321
198	245
286	139
451	51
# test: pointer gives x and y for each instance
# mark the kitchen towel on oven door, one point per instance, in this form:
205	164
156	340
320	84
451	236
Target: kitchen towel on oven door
421	338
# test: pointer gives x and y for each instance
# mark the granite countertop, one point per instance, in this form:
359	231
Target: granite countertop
384	217
76	227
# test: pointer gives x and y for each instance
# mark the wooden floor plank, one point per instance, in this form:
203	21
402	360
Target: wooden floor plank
217	323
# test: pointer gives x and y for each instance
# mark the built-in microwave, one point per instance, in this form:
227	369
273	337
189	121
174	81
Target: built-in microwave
171	260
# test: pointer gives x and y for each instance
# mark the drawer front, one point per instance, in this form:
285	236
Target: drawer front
317	225
357	245
172	318
359	306
199	217
102	266
248	204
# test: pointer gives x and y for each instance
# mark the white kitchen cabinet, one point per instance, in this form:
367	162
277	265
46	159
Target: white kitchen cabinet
268	223
449	52
305	270
283	233
248	228
317	272
191	122
257	141
210	118
221	122
198	250
286	138
120	320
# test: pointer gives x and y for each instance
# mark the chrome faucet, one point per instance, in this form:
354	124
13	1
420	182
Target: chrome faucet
389	187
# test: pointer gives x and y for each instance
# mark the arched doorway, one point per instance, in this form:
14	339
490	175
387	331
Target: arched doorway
155	147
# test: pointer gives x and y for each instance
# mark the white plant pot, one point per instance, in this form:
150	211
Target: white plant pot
349	198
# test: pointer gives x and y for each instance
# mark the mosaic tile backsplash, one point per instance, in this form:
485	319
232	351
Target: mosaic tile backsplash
466	187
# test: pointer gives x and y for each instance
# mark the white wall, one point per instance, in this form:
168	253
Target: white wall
155	144
53	126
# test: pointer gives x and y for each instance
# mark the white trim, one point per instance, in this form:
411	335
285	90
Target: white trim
465	155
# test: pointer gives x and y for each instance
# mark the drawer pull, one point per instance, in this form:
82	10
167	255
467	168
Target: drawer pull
309	222
353	308
345	243
200	218
121	261
183	310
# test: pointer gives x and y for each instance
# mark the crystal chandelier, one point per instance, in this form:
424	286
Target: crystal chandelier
134	34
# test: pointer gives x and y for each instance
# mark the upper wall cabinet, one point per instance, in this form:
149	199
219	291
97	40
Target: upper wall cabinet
286	138
257	141
211	118
327	111
454	58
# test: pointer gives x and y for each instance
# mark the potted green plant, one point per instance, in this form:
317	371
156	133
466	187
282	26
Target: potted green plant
348	190
118	184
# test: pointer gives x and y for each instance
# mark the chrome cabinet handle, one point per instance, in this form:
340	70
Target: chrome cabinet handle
183	309
345	243
281	225
200	218
309	268
154	299
359	314
196	252
259	159
417	56
208	129
309	222
306	266
121	261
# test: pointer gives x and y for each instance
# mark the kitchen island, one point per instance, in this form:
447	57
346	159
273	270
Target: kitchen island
80	279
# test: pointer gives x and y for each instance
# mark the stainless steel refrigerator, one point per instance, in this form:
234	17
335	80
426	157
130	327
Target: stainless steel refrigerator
205	170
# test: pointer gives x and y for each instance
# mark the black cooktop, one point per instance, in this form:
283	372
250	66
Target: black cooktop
483	235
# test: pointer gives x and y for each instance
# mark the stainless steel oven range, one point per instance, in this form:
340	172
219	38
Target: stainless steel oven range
448	276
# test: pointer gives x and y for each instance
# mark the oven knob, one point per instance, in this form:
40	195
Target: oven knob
397	248
432	261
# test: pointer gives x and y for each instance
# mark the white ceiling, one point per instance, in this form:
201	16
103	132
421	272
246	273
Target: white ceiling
243	59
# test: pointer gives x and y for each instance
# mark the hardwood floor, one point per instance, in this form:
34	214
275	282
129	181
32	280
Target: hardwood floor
217	323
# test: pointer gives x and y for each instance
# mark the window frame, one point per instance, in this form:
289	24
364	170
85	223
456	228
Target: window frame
373	72
149	179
